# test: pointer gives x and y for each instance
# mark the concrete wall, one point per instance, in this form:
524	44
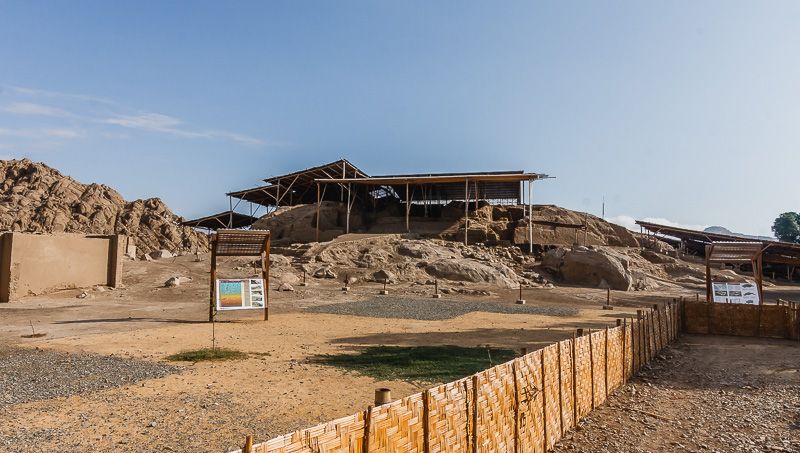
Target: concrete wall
33	264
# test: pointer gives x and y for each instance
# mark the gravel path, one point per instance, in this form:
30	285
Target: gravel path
34	374
432	309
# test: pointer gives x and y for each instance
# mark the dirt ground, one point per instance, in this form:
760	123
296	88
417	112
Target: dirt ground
212	406
706	393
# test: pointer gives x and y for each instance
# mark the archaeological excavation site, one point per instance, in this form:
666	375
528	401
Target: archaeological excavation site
331	310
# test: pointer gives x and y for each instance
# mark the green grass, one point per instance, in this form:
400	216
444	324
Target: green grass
200	355
417	364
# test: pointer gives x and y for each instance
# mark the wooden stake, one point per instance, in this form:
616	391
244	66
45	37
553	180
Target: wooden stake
248	444
516	406
574	384
606	360
426	421
475	413
367	428
544	404
591	363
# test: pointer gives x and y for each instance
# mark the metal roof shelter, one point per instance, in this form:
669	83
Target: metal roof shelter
297	187
775	252
440	188
225	219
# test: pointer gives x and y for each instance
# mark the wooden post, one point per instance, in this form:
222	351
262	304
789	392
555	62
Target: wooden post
426	421
639	340
367	428
466	210
408	209
574	383
213	278
560	393
248	444
265	275
591	363
624	351
317	227
347	221
606	360
474	413
530	216
516	406
544	404
657	321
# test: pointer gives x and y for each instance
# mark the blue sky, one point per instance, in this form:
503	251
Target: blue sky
684	111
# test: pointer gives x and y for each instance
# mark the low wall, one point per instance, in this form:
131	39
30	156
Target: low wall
35	264
772	321
526	404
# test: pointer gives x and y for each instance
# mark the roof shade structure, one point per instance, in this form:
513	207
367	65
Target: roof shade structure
300	187
225	219
775	252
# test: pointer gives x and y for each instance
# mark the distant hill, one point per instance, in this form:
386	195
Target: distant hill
37	198
723	230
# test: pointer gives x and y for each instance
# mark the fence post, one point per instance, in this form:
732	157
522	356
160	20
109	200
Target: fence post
591	364
574	383
606	360
624	349
248	444
639	340
560	393
474	414
659	343
367	428
516	406
544	403
426	428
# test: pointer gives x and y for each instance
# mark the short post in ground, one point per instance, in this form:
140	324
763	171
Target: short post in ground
346	286
608	306
383	396
384	292
520	300
303	283
436	294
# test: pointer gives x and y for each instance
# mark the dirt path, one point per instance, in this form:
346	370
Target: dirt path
707	393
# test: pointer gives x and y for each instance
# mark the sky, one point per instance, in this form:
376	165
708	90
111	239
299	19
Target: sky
681	111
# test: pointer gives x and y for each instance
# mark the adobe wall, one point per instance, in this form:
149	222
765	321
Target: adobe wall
33	264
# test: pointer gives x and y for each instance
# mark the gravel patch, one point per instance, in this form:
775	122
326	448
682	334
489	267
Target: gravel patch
432	309
33	374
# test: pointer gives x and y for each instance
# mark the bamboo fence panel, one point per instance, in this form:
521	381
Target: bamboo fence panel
398	426
583	376
615	365
567	402
628	352
345	434
599	366
531	403
449	417
495	406
524	405
551	394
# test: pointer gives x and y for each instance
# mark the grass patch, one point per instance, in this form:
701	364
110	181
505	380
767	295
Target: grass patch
417	364
206	354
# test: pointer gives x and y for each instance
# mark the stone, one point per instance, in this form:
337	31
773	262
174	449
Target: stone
324	272
176	281
596	268
161	254
384	275
285	287
472	271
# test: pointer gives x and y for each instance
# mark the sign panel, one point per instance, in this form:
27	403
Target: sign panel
735	293
240	294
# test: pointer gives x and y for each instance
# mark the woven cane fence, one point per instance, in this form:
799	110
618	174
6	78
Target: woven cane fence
525	405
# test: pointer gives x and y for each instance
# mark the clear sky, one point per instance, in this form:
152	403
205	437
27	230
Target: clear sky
685	111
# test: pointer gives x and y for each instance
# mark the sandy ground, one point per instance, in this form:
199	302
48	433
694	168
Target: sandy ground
212	406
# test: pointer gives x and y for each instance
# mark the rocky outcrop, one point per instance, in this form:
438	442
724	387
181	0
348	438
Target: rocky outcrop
591	267
37	198
473	271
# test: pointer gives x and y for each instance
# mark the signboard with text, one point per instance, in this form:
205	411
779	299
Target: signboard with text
735	293
240	294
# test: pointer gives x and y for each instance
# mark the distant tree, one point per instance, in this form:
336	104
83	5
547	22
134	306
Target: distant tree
787	227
